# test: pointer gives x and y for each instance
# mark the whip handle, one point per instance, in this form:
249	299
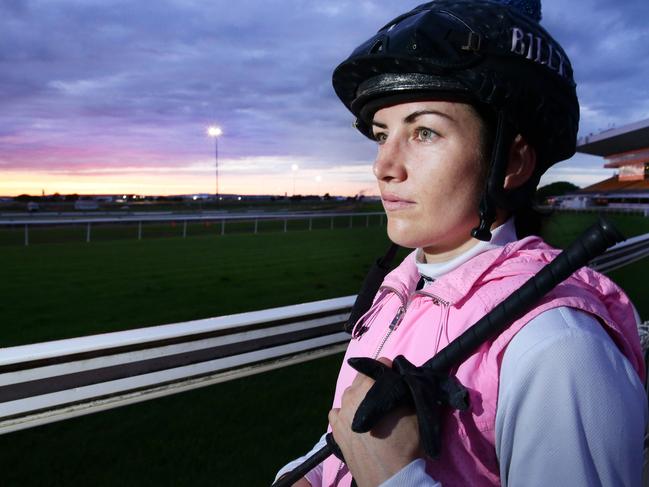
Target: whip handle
300	471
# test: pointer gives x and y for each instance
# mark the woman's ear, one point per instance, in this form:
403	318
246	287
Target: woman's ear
522	162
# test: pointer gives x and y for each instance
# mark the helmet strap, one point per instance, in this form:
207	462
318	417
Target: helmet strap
494	193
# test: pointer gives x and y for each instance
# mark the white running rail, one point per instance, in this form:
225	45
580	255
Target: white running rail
47	382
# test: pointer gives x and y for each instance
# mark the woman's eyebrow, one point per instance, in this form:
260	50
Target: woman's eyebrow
414	115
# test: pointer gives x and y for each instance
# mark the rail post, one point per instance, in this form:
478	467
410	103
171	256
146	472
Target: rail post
285	224
310	224
367	221
223	227
256	225
139	230
88	232
332	222
26	234
351	221
184	228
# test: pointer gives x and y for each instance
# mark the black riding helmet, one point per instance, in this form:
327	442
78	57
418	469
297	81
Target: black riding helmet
493	55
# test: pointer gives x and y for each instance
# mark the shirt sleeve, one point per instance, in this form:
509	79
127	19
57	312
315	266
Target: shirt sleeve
571	408
412	475
314	476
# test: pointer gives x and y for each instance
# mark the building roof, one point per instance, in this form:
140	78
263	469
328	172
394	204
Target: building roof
627	138
613	185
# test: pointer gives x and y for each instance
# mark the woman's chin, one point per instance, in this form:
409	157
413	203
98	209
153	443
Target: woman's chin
412	237
401	236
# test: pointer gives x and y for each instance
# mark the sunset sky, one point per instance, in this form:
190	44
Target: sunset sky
115	96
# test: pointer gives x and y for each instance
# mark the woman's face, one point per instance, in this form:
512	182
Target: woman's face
430	173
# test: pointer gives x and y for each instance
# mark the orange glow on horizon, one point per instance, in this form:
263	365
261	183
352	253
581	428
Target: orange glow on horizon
14	183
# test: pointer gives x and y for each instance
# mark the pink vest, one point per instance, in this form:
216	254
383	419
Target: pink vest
443	310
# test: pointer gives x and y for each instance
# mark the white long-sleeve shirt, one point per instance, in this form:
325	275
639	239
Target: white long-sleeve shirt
571	408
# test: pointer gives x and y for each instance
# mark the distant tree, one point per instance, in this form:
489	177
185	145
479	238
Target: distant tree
26	197
327	196
71	197
555	189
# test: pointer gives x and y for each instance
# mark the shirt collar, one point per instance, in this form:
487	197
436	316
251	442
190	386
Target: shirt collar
500	236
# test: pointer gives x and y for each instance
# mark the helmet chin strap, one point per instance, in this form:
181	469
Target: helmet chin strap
493	196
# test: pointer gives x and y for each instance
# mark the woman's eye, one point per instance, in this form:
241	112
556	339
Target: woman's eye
380	137
424	134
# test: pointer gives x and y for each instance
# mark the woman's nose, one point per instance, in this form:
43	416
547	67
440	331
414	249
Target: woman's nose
388	165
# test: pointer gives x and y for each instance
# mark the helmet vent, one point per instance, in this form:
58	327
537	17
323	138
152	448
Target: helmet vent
473	42
377	47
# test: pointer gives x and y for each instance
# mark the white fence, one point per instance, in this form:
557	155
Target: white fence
182	220
47	382
624	253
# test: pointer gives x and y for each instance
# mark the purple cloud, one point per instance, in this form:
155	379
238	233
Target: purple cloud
110	82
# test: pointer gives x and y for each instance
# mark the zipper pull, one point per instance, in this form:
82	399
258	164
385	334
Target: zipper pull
397	319
359	330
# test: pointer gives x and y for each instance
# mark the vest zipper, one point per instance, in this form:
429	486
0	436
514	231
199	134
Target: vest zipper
395	321
393	326
361	326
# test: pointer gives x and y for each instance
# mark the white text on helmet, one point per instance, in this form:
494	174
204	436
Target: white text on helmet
538	50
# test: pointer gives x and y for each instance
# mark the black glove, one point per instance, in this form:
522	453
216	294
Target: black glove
422	388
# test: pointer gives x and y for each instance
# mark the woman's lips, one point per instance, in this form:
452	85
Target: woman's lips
392	202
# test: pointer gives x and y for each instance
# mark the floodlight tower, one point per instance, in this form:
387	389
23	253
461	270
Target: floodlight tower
215	132
294	168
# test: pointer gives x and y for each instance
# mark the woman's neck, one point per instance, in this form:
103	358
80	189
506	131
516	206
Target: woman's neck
436	256
436	268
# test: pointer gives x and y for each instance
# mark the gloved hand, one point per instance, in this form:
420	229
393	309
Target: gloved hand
405	384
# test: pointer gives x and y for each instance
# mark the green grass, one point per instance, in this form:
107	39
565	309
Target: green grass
235	433
53	291
563	228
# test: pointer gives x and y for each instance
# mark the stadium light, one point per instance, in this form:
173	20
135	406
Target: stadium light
214	131
294	168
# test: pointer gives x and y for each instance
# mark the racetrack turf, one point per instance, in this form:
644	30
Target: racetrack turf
235	433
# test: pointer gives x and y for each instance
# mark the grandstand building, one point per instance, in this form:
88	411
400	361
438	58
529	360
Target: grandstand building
627	150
